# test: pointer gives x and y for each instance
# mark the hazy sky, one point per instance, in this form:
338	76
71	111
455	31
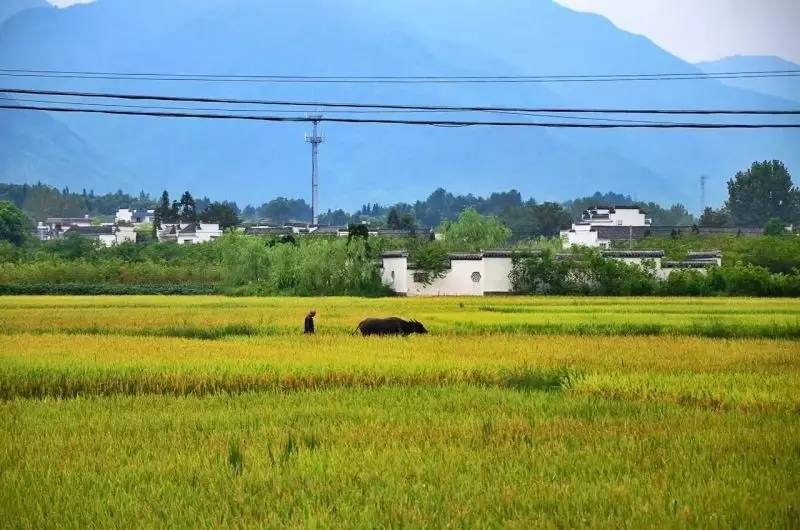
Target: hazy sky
700	30
697	30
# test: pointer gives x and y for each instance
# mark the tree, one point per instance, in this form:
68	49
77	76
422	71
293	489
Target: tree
163	212
712	218
223	213
393	219
473	231
15	226
357	230
187	209
774	227
762	192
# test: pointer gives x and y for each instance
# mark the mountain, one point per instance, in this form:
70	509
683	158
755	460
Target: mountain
8	8
36	147
251	162
782	87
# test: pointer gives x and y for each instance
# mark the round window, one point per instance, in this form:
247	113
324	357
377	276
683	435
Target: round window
476	277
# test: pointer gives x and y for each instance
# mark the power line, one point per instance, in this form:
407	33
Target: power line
209	109
347	79
437	123
320	104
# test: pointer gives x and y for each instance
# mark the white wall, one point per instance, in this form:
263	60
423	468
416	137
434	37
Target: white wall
456	282
395	274
623	217
125	234
124	215
496	275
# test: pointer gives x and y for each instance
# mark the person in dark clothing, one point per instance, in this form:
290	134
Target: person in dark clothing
309	322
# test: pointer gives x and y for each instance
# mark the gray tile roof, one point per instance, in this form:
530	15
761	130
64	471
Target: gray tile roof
633	253
91	231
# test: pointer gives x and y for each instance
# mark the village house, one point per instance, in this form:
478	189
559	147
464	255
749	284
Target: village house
134	217
107	235
55	227
602	224
189	233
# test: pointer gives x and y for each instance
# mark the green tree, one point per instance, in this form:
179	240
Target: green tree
15	226
774	227
163	212
712	218
473	231
762	192
223	213
393	219
187	210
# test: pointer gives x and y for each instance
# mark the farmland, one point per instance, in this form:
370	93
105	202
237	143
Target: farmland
513	411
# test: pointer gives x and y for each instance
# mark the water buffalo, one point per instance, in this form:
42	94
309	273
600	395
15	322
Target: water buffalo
390	326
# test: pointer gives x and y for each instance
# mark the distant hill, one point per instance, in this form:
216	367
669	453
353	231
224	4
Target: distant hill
251	162
782	87
36	147
9	8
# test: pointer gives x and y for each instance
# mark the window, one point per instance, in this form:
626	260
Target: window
476	277
392	275
420	277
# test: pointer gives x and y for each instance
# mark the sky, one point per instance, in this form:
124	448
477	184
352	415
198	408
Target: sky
702	30
696	30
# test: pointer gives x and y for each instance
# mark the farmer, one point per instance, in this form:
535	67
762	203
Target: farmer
309	322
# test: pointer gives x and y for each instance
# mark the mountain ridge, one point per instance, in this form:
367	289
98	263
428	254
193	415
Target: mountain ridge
384	163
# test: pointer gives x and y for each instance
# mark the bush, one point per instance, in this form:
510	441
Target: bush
312	266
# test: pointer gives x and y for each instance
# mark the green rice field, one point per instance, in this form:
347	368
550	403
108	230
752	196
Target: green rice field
513	412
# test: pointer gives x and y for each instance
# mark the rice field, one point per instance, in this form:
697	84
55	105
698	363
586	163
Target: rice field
513	412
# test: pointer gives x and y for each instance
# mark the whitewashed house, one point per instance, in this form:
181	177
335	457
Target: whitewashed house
107	235
56	227
602	223
135	217
189	233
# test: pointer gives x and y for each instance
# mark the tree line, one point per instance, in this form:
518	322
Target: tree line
757	195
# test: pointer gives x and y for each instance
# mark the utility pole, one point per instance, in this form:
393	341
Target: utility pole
315	139
703	180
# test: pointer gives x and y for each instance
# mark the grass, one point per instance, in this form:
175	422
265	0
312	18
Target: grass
513	412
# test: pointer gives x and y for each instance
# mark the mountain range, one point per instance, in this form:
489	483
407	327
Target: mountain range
252	162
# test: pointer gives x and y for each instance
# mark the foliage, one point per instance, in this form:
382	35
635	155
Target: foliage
473	231
762	192
186	208
281	210
14	224
430	261
223	213
774	227
583	272
776	253
531	220
312	266
712	218
397	221
41	201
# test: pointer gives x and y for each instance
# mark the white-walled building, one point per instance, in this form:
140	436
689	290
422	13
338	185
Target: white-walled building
107	235
189	233
55	227
468	274
589	231
135	217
